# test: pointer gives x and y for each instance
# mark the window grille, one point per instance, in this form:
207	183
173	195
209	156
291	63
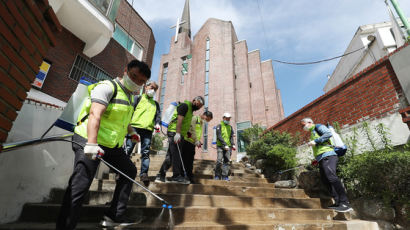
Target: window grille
85	68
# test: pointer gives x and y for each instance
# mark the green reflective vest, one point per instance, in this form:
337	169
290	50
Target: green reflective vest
198	130
144	114
114	121
320	148
186	123
226	131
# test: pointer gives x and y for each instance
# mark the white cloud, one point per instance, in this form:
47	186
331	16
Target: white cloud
170	10
308	28
298	30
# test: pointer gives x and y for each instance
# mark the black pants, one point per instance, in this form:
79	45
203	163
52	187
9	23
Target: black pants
188	157
82	177
173	158
328	175
222	161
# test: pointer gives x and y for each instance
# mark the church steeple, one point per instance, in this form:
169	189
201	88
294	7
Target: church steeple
186	26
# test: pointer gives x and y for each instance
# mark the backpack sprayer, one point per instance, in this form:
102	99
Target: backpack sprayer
165	121
68	121
337	144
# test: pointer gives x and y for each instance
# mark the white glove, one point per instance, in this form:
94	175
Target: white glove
91	151
198	144
233	147
135	137
177	138
312	143
226	147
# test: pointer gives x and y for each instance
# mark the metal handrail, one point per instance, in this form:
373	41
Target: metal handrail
18	144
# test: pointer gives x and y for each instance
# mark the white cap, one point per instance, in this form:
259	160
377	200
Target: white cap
227	115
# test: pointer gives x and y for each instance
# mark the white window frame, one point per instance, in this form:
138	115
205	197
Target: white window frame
134	43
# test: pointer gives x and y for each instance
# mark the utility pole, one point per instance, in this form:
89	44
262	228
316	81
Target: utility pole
402	17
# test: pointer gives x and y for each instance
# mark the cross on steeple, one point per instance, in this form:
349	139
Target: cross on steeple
177	26
185	24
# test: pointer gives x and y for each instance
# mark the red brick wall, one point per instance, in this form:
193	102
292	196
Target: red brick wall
57	83
26	32
139	29
113	59
373	93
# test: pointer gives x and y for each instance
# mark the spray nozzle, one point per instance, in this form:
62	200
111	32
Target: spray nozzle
166	205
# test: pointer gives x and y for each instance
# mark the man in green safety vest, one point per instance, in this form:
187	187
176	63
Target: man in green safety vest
224	145
177	132
327	159
194	139
101	127
146	118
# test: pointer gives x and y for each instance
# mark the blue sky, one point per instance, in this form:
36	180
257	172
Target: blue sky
292	30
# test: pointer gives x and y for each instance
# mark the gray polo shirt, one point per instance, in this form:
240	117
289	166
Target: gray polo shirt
103	92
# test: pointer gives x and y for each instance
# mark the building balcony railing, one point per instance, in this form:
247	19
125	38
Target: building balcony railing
106	7
90	20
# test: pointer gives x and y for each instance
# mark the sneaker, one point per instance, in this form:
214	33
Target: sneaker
160	179
343	208
122	221
225	178
180	180
217	178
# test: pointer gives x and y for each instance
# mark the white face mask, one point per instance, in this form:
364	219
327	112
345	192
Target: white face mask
306	128
130	85
226	122
150	93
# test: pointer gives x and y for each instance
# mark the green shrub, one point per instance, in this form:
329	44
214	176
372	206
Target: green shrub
380	174
252	134
277	149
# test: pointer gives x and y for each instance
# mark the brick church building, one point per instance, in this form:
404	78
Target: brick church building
216	65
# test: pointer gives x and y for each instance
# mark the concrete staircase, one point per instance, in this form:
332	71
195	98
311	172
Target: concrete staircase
248	201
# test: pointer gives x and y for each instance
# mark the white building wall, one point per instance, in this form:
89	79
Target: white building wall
353	63
28	174
400	62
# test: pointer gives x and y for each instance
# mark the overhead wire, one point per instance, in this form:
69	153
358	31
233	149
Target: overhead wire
298	63
319	61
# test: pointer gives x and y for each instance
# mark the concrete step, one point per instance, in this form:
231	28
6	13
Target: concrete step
110	184
208	174
234	183
188	200
220	225
199	179
93	213
227	190
155	166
